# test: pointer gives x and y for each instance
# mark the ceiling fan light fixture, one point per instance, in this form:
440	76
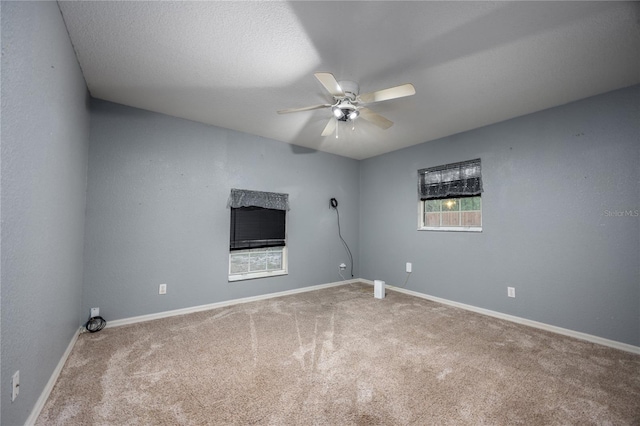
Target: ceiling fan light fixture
337	112
348	103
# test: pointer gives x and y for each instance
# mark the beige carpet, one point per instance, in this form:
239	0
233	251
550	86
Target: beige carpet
340	357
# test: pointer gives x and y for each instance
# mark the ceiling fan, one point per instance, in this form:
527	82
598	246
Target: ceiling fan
348	103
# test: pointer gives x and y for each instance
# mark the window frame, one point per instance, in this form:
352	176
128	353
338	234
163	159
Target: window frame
422	216
261	274
242	198
454	181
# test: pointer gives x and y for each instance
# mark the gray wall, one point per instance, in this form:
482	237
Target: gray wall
156	211
45	131
550	180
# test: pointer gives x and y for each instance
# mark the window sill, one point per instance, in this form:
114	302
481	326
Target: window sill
254	275
452	228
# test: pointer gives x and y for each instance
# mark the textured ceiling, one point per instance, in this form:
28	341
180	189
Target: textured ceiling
234	64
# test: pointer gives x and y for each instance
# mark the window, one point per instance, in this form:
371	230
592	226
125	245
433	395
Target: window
450	197
256	261
257	243
458	212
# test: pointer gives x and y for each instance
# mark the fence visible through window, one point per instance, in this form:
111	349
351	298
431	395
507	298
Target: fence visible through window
453	212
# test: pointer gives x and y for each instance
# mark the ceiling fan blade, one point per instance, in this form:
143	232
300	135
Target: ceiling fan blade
390	93
375	118
330	83
330	127
309	108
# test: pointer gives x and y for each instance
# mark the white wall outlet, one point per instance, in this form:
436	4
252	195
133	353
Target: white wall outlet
408	267
162	289
511	291
342	266
15	385
95	312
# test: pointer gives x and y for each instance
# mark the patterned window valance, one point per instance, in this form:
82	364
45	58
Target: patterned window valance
268	200
451	180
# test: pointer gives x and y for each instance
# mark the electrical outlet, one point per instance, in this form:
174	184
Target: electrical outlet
342	266
511	291
15	385
408	267
162	289
95	312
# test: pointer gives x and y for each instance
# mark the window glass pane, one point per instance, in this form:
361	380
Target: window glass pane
432	205
450	219
239	263
432	219
453	212
258	261
466	204
471	218
451	204
470	203
274	260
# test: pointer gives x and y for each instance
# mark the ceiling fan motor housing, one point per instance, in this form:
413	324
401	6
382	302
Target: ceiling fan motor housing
350	89
345	108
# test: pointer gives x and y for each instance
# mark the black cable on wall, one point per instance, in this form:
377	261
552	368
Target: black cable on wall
334	205
95	324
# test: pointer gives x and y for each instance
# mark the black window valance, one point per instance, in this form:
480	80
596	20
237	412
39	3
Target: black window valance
268	200
462	179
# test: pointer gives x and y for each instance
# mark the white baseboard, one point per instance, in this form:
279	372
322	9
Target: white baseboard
44	396
165	314
559	330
